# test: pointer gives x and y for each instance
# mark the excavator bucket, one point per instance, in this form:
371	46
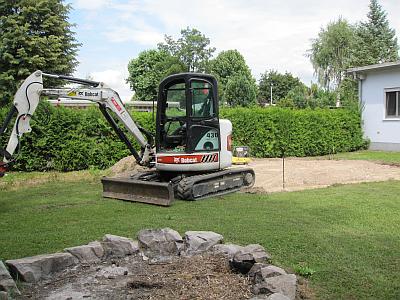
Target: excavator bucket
126	188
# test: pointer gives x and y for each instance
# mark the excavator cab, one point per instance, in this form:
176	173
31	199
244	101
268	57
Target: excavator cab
187	114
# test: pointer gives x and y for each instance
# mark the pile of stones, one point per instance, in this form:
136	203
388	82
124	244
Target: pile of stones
154	245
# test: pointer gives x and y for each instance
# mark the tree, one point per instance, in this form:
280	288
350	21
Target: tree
240	91
192	49
227	64
148	69
34	35
281	85
376	41
331	53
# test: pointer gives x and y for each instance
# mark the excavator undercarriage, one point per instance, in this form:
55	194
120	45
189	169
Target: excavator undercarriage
152	188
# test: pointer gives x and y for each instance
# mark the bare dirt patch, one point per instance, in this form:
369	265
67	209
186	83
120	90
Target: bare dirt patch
305	173
300	173
197	277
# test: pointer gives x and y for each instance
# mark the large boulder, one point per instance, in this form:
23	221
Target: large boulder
244	260
277	296
118	246
91	253
197	242
229	250
283	284
35	268
157	243
7	284
259	272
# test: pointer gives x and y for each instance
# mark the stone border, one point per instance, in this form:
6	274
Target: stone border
269	281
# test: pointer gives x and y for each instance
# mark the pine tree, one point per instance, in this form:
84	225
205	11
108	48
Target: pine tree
34	34
376	41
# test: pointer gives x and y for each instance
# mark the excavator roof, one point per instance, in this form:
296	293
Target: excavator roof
186	76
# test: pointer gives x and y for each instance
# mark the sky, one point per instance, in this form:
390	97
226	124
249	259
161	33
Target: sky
270	34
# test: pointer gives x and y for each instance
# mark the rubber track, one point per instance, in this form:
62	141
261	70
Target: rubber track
185	186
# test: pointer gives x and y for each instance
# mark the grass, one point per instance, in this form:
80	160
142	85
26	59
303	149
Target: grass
385	157
348	236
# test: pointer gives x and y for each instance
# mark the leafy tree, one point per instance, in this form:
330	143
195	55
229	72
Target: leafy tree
240	91
376	41
148	69
281	85
34	35
192	49
331	52
308	97
227	64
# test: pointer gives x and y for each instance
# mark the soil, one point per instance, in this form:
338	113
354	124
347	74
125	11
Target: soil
305	173
300	173
197	277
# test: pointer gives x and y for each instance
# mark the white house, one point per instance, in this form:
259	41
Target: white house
379	93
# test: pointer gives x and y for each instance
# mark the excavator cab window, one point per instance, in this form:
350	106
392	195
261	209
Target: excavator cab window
187	114
173	138
202	99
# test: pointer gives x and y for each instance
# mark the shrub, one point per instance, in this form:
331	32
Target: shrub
304	132
64	139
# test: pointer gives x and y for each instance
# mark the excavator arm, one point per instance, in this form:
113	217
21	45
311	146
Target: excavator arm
27	99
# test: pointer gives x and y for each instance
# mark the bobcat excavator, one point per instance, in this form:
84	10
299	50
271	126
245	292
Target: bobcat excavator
189	157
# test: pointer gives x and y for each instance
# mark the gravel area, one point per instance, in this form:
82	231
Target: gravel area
306	173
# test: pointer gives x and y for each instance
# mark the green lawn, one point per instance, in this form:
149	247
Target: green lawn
350	235
378	156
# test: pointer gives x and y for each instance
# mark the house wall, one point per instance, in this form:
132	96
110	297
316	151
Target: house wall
384	133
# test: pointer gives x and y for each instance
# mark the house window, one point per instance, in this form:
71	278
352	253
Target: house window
392	104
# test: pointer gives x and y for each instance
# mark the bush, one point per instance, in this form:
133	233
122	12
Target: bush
304	132
64	139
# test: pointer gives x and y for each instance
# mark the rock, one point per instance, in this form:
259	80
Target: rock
260	297
229	250
3	295
283	284
277	296
7	284
160	242
118	246
256	268
35	268
112	272
259	272
197	242
90	253
244	260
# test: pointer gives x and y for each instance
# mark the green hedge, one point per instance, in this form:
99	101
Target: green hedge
303	132
65	139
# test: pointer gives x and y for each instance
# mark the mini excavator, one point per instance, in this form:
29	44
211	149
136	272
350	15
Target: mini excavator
188	158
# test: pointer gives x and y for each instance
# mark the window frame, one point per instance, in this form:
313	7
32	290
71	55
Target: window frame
391	90
211	88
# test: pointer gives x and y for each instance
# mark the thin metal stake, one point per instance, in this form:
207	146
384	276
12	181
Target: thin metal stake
283	170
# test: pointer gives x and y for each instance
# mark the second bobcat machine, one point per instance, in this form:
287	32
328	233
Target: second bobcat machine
189	157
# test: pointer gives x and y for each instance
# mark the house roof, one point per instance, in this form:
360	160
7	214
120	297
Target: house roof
386	65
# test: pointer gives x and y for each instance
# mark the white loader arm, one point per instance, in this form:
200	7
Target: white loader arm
27	98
